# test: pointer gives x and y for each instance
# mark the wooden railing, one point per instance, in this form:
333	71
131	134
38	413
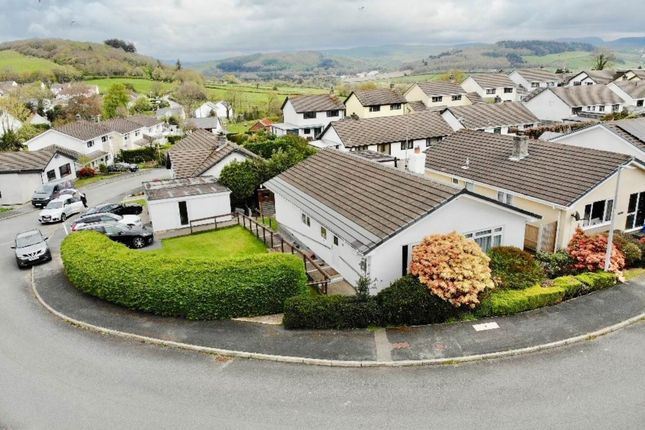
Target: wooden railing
274	240
229	217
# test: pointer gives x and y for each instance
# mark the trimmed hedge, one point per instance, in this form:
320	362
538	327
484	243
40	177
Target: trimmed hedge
139	155
329	312
598	280
514	268
200	289
572	287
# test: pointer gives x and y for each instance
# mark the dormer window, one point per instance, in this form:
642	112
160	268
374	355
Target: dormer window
309	115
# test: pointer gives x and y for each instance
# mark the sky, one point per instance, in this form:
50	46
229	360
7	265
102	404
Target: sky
196	30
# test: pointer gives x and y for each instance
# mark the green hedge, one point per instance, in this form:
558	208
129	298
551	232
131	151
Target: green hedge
514	268
572	287
147	153
598	280
329	312
192	288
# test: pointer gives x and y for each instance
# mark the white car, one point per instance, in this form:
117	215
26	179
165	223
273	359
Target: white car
60	209
129	220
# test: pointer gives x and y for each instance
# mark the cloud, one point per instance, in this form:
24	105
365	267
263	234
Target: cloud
205	29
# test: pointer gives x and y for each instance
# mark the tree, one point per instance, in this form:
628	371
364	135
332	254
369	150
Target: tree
602	60
9	141
28	132
242	179
453	268
12	105
190	94
116	97
142	104
589	252
121	44
88	108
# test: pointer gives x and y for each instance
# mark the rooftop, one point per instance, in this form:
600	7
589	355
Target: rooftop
632	130
210	122
186	187
552	172
586	95
538	75
635	89
492	80
378	96
28	161
432	88
84	130
315	103
485	115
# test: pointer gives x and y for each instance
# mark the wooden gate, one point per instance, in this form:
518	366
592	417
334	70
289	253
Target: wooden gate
531	236
547	241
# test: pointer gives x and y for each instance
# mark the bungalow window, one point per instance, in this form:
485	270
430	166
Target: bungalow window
615	108
323	232
317	131
490	91
126	136
601	108
639	103
437	99
508	90
384	148
90	143
65	170
576	110
183	213
456	97
51	175
335	240
305	220
375	108
497	130
406	145
104	139
395	106
636	211
430	141
505	197
136	133
597	213
332	113
306	130
487	239
535	84
309	115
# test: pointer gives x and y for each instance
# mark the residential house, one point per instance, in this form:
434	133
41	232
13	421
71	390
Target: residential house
591	77
8	122
436	94
220	109
396	136
134	131
375	103
491	86
531	79
180	203
211	124
203	154
307	116
263	124
632	92
364	219
22	172
626	136
568	186
503	118
632	75
92	141
573	103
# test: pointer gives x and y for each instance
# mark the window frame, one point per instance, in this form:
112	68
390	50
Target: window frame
51	175
437	99
374	108
395	106
589	211
508	90
493	233
456	97
68	170
323	232
633	213
308	115
491	91
305	219
333	113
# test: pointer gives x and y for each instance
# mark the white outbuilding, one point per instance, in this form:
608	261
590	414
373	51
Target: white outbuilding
177	203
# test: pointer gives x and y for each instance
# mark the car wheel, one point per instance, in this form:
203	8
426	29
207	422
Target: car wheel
138	243
63	217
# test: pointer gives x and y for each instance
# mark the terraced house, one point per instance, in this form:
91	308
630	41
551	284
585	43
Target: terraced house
375	103
531	79
307	116
573	103
501	118
491	87
568	186
436	94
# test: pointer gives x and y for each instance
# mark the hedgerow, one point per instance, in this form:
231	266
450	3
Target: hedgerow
193	288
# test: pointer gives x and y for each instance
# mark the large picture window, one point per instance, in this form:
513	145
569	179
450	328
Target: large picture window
597	213
65	170
487	239
635	211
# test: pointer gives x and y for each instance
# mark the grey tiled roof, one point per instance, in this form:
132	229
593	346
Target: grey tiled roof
83	130
199	151
632	130
27	161
586	95
210	122
432	88
315	103
474	98
387	129
359	200
186	187
144	120
417	106
552	172
378	96
374	156
485	115
121	125
492	80
635	89
538	75
602	76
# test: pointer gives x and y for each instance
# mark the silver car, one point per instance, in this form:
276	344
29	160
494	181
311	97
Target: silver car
31	248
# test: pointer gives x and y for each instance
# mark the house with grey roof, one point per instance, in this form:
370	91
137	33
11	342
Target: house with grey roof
492	86
212	124
364	219
573	103
626	136
201	153
502	118
437	94
307	116
631	75
591	77
569	186
22	172
375	103
632	92
221	109
396	136
532	79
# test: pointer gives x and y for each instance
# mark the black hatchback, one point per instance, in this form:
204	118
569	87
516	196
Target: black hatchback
131	236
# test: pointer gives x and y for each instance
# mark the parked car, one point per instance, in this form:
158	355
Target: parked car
123	167
131	220
47	192
115	208
60	209
133	237
31	248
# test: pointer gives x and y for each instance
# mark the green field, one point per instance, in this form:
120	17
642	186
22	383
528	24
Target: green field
225	243
580	60
14	61
142	86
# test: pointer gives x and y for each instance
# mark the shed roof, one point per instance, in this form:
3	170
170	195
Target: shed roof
185	187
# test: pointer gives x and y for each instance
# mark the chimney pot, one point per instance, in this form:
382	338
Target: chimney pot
520	148
417	162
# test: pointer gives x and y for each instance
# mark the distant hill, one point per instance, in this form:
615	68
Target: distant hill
78	59
627	42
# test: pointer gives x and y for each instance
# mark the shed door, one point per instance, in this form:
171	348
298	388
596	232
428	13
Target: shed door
183	213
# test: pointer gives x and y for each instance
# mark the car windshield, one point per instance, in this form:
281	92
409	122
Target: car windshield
28	239
45	189
54	205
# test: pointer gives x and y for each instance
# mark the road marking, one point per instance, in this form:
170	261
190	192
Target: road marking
486	326
383	346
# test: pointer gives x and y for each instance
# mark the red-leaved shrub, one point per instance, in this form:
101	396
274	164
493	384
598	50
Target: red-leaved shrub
86	172
588	253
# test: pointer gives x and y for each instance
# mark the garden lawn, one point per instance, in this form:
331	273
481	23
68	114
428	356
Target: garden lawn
224	243
81	182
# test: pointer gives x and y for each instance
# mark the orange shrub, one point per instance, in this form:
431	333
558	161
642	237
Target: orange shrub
588	253
453	268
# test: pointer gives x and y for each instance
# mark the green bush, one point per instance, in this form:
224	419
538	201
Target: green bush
572	287
598	280
140	155
509	302
408	302
194	288
329	312
555	264
513	268
631	247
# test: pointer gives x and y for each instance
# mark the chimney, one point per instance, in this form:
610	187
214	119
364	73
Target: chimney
417	162
520	148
